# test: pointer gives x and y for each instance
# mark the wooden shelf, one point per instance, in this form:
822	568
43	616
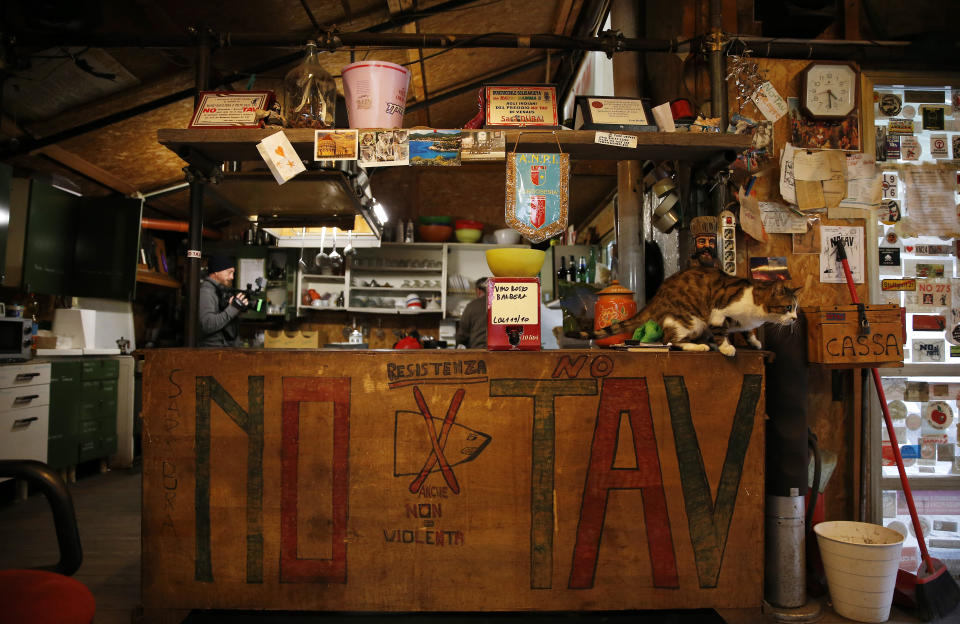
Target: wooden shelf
156	278
241	144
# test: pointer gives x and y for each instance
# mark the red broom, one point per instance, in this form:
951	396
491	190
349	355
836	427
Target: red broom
935	592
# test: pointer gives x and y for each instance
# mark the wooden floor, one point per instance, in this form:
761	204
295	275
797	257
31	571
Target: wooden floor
108	513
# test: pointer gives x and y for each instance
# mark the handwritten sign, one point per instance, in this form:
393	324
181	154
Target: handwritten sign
616	140
513	313
514	303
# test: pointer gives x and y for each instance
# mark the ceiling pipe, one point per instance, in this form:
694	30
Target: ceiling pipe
170	225
607	41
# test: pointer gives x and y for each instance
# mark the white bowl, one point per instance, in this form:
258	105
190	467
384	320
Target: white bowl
507	236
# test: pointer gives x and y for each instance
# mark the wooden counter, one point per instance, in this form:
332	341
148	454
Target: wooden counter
452	480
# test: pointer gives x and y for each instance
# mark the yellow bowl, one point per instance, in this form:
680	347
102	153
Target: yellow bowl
468	235
515	261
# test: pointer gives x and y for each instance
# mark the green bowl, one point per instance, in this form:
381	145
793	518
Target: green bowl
435	220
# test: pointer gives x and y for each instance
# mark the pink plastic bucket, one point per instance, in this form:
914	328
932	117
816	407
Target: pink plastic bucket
376	93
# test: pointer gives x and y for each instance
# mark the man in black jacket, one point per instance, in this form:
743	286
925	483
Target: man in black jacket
472	330
218	308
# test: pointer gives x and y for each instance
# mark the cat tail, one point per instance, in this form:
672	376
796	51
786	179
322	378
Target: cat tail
626	326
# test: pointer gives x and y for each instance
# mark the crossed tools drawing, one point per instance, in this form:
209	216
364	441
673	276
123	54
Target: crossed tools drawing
438	442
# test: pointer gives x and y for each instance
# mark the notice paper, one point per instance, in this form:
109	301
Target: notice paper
863	188
930	199
751	220
835	187
778	219
810	195
664	117
787	185
811	165
831	269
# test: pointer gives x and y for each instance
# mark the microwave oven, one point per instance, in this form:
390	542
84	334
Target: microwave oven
16	339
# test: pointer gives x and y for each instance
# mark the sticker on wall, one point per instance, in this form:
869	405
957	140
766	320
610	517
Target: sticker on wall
939	415
888	183
933	296
956	146
933	250
929	269
910	148
891	237
908	112
907	284
928	350
929	322
897	409
890	104
893	147
899	125
916	391
938	146
913	421
932	117
889	211
889	256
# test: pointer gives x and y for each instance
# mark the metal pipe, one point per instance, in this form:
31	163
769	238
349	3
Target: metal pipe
195	246
171	225
718	82
332	40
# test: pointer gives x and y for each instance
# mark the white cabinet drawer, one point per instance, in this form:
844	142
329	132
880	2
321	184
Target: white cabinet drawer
15	375
18	399
23	433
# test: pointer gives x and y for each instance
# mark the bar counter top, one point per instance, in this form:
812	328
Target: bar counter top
452	480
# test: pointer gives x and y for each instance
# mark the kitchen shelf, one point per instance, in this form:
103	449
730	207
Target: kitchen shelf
397	289
156	278
406	311
322	278
354	269
241	143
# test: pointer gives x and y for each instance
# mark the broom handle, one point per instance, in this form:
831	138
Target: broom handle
907	492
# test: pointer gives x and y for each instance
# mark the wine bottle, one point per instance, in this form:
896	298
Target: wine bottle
582	270
562	274
592	266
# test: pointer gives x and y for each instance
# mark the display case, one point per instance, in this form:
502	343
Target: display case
911	262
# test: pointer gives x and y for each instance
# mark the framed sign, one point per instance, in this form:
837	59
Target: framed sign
613	113
520	106
230	109
537	194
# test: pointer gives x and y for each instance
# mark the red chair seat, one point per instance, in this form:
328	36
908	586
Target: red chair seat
39	597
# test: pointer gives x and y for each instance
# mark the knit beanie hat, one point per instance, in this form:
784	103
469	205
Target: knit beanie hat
220	263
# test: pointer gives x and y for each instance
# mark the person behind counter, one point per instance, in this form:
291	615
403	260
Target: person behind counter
472	330
218	308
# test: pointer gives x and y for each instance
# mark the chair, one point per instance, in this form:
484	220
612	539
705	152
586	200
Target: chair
47	595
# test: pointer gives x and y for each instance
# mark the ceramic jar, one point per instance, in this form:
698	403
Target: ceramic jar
614	303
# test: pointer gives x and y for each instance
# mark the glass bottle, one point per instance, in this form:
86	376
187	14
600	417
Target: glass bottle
408	238
562	271
582	270
592	266
309	94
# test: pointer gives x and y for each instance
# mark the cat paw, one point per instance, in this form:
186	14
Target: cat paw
754	342
694	346
727	349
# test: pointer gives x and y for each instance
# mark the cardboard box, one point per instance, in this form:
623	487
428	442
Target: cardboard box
513	313
834	338
279	339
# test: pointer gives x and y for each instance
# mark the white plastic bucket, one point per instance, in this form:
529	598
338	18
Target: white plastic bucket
376	93
861	562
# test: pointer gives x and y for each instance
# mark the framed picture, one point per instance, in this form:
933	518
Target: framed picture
231	109
520	106
613	113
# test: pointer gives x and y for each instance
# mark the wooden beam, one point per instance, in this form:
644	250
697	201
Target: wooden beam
87	168
562	21
851	19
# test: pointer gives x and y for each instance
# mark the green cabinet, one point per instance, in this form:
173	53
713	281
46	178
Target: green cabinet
83	411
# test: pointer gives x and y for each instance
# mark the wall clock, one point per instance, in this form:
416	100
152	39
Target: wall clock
829	91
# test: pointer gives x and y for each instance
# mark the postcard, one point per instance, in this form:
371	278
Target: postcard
383	148
434	148
335	145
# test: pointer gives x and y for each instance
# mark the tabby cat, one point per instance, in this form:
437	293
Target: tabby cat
703	302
